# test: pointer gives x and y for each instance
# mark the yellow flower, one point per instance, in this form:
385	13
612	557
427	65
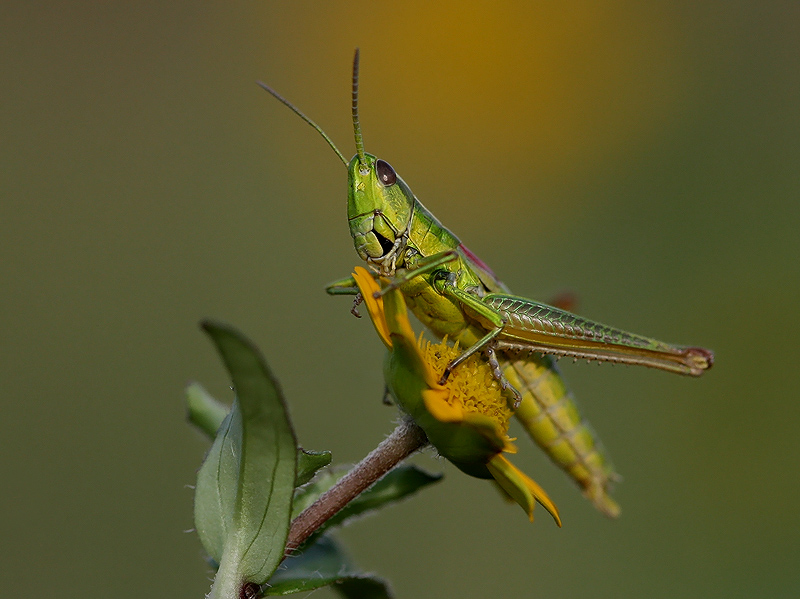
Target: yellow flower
466	419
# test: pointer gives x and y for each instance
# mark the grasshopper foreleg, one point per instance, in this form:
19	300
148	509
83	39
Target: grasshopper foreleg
346	286
420	267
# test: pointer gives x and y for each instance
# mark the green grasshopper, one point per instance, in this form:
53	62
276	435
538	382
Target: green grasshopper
455	294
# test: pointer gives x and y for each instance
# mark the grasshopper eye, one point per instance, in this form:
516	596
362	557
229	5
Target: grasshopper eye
385	173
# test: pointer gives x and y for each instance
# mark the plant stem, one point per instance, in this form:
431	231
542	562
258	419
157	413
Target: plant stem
404	440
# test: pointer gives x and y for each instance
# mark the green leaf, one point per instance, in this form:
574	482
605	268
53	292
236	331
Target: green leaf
308	463
208	413
321	564
205	412
398	484
243	498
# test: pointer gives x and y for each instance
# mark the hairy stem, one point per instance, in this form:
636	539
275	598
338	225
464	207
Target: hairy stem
404	440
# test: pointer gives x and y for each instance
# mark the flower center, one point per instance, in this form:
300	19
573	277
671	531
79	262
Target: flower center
471	385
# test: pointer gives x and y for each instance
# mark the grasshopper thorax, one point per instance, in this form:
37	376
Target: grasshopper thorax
379	210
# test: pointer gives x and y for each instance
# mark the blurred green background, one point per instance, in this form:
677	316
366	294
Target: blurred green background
642	155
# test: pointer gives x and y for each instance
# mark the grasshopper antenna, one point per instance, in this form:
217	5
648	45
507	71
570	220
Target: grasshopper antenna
362	159
305	118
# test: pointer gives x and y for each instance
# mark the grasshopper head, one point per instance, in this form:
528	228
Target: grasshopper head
379	210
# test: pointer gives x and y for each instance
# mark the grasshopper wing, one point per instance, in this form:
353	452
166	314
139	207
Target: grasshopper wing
485	274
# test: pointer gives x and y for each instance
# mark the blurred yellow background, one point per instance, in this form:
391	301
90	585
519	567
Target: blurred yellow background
643	156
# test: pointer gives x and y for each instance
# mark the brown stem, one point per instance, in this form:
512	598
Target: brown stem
404	440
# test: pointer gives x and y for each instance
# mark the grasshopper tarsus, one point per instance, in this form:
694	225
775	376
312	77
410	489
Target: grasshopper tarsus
356	302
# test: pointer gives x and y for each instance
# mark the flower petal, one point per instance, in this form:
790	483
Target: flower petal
400	330
520	487
510	447
368	286
436	403
396	315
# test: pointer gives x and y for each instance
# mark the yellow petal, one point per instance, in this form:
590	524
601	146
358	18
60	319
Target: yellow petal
510	447
396	315
368	287
521	488
438	407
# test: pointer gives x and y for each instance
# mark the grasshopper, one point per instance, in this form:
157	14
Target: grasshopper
455	294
